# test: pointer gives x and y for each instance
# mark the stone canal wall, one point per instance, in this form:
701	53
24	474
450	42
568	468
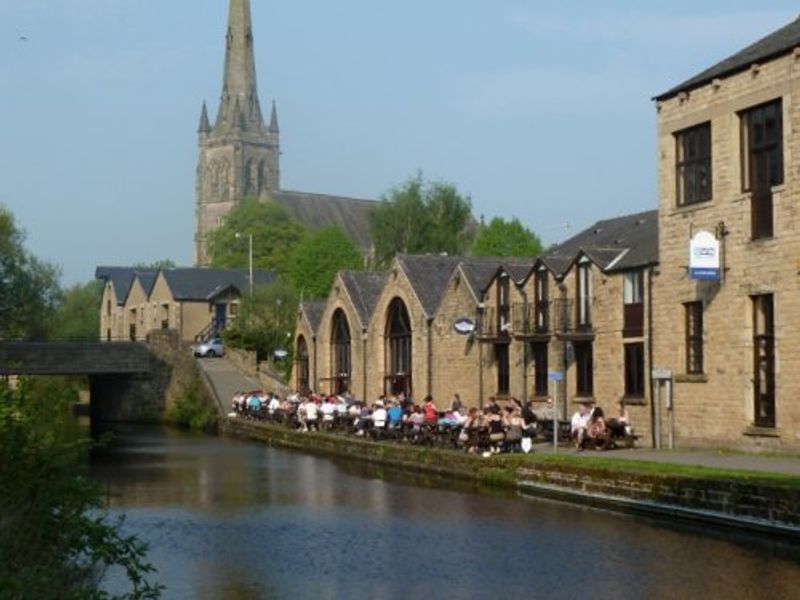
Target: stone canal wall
760	506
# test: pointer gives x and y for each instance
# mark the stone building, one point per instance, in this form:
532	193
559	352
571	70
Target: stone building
239	155
197	303
726	331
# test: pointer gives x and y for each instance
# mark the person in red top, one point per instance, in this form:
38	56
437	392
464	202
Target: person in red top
431	413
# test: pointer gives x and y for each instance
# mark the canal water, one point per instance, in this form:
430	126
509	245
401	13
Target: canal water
227	519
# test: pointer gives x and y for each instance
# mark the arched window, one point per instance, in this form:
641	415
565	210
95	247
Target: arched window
302	366
340	353
398	348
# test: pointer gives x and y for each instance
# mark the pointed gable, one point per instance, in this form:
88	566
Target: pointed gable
364	289
428	276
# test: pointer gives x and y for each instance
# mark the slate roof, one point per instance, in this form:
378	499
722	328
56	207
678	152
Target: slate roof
428	276
121	279
320	210
313	312
364	288
202	284
615	244
779	42
481	271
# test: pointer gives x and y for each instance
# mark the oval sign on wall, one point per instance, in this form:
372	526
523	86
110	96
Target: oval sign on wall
464	326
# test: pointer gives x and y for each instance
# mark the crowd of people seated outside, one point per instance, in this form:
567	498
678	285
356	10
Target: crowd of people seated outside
487	431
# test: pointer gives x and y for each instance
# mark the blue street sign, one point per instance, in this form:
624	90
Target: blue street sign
555	375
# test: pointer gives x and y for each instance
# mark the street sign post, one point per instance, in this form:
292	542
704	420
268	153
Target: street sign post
555	377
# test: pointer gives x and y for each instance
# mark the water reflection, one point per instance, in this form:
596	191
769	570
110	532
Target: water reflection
227	519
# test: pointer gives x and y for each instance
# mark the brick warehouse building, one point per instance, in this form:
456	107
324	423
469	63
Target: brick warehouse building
727	156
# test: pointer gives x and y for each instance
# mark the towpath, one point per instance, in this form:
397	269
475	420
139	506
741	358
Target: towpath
225	380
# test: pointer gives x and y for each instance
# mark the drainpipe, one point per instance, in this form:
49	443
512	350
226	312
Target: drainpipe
479	324
364	362
314	339
650	338
525	357
430	357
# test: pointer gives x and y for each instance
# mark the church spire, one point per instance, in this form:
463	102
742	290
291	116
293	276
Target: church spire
205	126
239	80
273	120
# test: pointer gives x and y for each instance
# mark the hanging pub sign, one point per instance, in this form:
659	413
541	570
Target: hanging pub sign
704	256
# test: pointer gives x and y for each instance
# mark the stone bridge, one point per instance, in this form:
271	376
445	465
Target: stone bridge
127	380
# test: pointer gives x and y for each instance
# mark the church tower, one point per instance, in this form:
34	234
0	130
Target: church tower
239	154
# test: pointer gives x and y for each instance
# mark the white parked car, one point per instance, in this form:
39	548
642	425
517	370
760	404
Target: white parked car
211	348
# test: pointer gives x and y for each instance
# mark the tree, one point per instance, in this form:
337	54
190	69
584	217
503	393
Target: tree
506	238
29	288
421	217
156	265
77	316
265	322
57	540
314	262
274	233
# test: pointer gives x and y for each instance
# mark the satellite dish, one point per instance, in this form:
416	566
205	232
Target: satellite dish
281	353
464	326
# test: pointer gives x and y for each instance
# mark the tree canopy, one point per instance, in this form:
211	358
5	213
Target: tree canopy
77	316
420	217
29	288
274	233
314	262
506	238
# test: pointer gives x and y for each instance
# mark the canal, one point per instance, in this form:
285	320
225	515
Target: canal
227	519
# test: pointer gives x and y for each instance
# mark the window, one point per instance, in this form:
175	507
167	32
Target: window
764	360
584	314
694	337
584	369
633	304
303	372
398	336
540	301
634	370
762	162
503	306
340	342
503	374
539	351
693	167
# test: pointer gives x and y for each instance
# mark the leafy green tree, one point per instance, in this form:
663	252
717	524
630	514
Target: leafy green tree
274	233
57	540
506	238
314	262
421	217
156	265
265	322
29	288
77	316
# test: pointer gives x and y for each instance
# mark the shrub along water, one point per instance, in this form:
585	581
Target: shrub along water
56	539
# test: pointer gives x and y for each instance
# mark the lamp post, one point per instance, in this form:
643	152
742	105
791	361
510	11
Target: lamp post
250	258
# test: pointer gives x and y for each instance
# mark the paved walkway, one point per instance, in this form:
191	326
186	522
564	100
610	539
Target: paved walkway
788	465
225	380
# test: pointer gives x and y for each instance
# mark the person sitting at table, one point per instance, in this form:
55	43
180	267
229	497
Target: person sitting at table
620	425
497	434
328	410
469	431
515	427
578	424
596	429
429	408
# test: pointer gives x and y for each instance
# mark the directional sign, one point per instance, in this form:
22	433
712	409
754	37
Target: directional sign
555	375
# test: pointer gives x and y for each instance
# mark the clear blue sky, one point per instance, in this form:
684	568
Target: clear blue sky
539	110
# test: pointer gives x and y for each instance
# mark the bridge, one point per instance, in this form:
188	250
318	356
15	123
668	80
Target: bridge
127	380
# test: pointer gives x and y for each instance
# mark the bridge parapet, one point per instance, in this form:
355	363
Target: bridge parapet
73	358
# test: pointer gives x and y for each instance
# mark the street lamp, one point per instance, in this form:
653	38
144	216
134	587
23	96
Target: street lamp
250	257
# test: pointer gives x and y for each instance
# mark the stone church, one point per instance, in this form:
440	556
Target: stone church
240	153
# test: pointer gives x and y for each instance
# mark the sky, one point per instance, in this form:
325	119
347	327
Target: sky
536	110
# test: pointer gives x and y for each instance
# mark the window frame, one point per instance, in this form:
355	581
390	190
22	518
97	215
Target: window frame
694	337
539	352
634	358
698	139
584	369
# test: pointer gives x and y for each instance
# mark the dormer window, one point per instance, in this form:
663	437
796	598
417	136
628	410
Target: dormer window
584	293
541	294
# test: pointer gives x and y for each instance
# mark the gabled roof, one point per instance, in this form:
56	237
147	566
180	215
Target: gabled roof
428	276
364	289
320	210
313	312
121	278
779	42
481	271
615	244
201	284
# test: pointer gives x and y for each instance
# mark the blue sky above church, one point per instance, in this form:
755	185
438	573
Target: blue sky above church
535	109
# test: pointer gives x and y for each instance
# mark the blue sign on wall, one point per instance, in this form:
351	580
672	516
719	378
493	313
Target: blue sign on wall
555	375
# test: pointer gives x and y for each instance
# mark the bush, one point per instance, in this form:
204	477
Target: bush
193	410
55	537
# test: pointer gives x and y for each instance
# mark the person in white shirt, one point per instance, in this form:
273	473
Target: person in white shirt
578	424
312	412
273	405
327	409
379	415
